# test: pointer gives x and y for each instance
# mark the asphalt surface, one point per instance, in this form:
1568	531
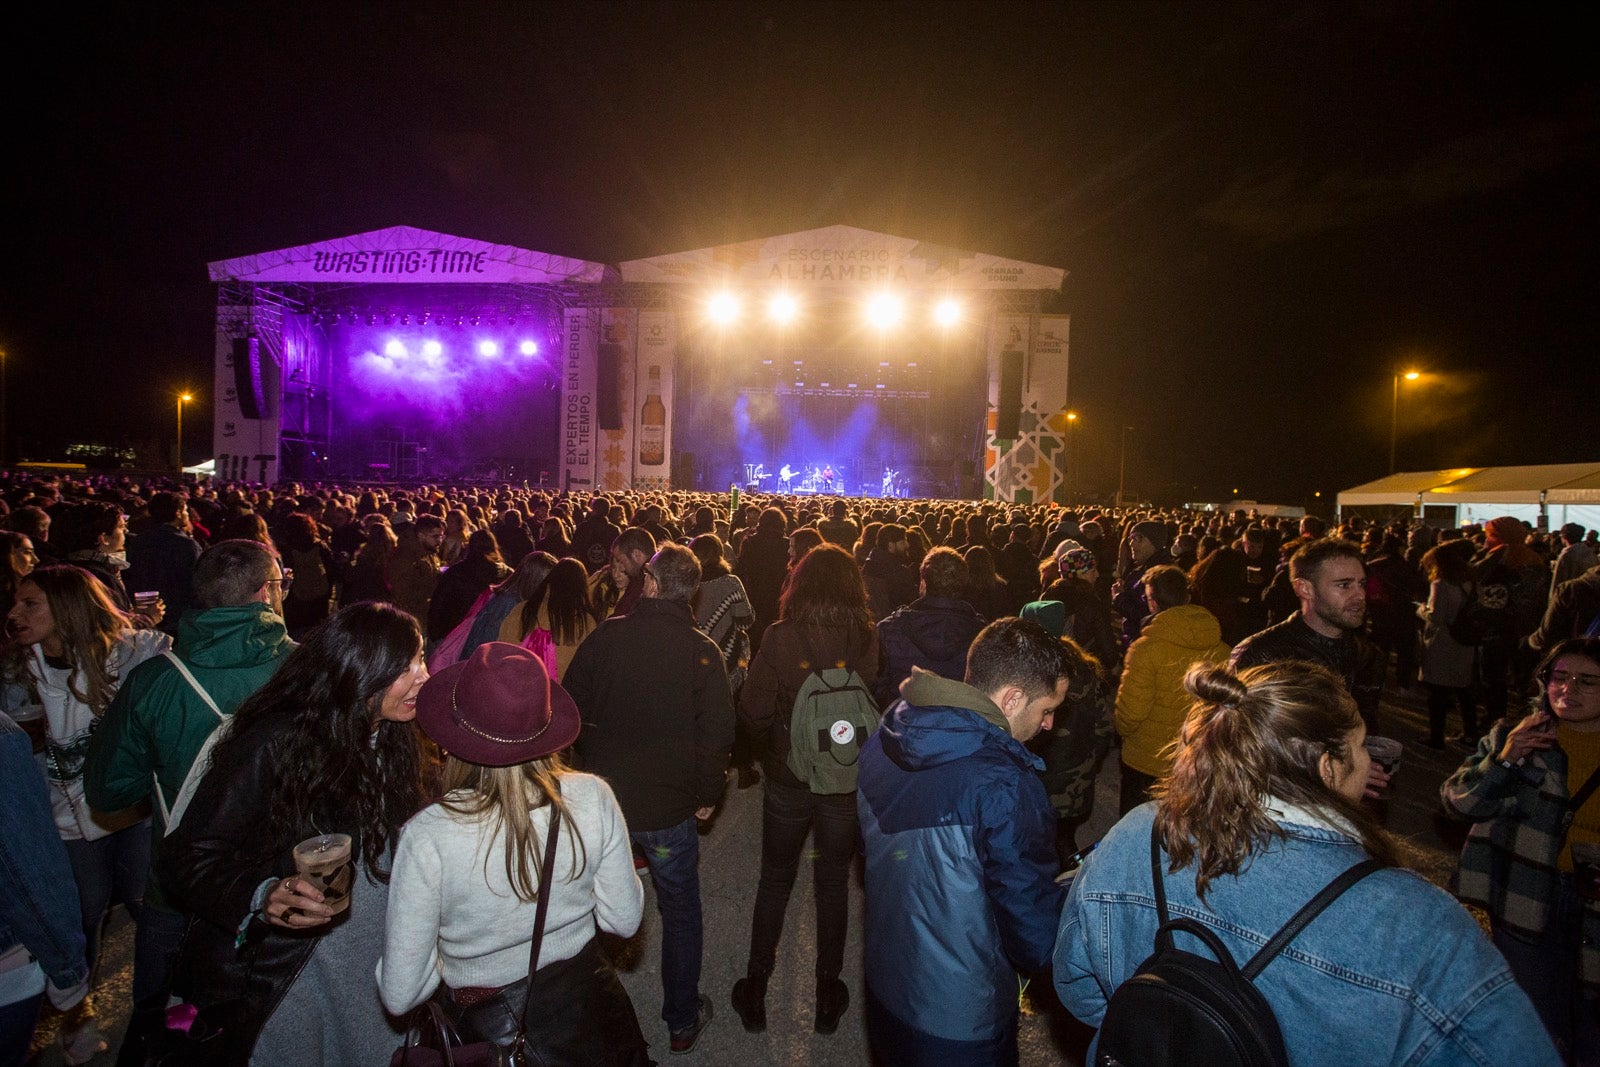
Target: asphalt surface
730	861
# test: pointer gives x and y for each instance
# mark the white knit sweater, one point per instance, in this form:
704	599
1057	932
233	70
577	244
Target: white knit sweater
452	914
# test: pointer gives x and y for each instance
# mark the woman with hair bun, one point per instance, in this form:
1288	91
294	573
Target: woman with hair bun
1262	810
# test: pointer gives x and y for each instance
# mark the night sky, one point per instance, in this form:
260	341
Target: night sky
1265	210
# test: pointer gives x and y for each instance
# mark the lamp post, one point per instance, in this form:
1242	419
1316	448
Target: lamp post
1068	458
1394	411
1122	465
183	398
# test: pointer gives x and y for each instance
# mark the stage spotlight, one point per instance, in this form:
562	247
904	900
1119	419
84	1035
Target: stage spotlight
432	349
488	348
783	308
529	348
884	310
947	312
405	318
723	308
394	348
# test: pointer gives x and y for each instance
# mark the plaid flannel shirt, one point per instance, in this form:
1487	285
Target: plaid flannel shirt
1509	863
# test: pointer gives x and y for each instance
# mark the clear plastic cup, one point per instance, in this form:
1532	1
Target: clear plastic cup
324	861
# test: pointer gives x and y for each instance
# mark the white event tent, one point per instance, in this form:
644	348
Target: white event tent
1550	494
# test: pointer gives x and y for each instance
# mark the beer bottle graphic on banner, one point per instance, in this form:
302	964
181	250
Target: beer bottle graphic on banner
653	423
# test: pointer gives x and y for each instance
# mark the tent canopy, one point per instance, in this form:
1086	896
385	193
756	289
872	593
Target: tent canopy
1515	489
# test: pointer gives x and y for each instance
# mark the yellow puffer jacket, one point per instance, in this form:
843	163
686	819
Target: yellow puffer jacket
1151	702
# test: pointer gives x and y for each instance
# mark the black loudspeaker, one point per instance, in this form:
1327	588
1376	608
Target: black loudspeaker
683	470
247	377
1010	409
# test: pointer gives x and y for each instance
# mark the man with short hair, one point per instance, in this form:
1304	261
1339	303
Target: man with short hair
838	529
231	641
932	632
629	554
959	833
1577	557
658	724
593	537
891	582
1330	580
414	565
162	558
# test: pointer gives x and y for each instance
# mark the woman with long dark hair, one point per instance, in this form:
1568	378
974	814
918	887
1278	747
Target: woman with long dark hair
71	649
561	606
1261	811
822	622
463	582
470	871
509	596
1530	858
1447	664
326	747
368	576
307	556
17	561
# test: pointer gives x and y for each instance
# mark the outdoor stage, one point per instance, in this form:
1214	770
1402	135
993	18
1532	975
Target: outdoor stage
402	354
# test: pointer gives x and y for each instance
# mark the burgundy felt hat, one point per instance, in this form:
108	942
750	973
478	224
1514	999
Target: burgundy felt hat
498	707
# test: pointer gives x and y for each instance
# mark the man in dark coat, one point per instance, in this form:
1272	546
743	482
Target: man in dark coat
932	632
658	725
162	558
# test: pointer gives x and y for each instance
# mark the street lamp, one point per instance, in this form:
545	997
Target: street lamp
1394	411
183	398
1068	458
1122	465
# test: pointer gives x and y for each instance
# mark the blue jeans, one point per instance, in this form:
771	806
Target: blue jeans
788	814
1547	970
673	855
108	870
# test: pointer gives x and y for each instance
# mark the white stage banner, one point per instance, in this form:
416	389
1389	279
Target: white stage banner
580	341
652	458
614	397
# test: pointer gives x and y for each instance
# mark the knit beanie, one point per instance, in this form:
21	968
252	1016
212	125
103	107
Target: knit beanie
1073	559
1154	532
1506	530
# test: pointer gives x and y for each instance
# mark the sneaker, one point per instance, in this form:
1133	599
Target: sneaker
82	1045
683	1041
750	1001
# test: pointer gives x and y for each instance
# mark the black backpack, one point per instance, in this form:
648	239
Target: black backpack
1180	1008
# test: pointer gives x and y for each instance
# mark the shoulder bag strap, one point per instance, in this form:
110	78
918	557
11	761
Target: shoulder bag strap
1303	917
545	885
1581	797
1163	937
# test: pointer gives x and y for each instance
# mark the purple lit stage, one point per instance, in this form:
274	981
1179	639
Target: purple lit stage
409	355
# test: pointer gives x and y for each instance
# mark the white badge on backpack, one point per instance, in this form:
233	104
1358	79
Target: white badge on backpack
842	732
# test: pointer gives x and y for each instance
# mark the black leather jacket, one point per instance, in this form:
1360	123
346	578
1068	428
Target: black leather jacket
211	866
1351	656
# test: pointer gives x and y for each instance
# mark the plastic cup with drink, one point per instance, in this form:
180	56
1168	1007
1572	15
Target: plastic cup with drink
32	720
324	862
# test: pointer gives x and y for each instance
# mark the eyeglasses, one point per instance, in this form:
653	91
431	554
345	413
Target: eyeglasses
1578	683
284	582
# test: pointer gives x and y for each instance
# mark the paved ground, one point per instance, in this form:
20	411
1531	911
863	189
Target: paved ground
729	869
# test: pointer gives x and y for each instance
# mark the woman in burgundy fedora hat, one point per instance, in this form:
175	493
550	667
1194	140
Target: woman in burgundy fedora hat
471	869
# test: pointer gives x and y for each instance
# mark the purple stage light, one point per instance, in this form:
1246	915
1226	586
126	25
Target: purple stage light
488	349
432	349
394	348
529	348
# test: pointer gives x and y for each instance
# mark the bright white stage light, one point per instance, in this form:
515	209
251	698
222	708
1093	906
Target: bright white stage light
783	308
884	310
723	308
488	348
947	312
529	348
394	348
432	349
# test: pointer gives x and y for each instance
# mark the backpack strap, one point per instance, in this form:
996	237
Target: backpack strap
1302	918
1291	929
194	683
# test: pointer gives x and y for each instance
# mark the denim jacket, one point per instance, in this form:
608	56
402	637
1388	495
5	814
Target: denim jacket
1393	972
38	898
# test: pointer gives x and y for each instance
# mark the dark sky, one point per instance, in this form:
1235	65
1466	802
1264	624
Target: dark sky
1264	209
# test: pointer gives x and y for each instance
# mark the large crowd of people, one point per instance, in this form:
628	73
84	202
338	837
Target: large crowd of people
487	710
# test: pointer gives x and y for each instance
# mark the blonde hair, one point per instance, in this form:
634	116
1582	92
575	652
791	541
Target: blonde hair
1249	736
507	797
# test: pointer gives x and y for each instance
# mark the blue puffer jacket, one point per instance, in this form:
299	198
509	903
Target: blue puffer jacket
960	865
